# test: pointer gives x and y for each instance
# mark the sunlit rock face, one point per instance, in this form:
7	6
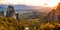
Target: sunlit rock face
58	7
10	12
54	15
57	11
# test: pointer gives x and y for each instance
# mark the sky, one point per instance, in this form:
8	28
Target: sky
49	3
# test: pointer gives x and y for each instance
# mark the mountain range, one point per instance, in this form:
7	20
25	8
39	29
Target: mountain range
25	7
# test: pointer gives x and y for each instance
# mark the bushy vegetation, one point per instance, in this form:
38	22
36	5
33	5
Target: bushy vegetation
13	24
50	26
9	24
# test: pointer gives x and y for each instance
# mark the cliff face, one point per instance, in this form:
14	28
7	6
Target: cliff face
54	15
58	7
57	12
10	12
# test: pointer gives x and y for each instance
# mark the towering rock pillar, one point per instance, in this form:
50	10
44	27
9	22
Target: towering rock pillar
17	16
58	7
54	15
10	12
58	12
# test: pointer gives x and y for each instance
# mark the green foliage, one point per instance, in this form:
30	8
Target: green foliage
9	24
33	24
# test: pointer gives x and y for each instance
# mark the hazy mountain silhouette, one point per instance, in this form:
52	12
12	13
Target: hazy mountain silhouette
25	7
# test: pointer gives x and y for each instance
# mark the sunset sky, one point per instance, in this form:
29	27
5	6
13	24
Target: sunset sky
50	3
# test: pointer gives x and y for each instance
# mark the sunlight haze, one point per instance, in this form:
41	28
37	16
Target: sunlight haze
50	3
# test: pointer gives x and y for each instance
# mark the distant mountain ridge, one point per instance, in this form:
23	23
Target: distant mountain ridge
25	7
